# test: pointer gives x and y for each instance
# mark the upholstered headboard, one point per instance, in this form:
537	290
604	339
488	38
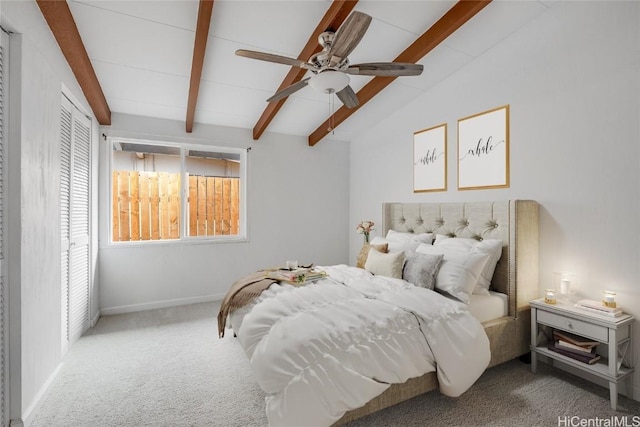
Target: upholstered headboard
514	222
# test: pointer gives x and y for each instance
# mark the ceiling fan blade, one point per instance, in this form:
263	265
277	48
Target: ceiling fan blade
349	34
385	69
348	97
269	57
289	90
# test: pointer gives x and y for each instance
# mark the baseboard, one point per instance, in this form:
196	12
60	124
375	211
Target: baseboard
159	304
95	318
32	410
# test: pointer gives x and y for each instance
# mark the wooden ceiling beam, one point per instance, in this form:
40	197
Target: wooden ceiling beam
205	10
333	18
64	29
451	21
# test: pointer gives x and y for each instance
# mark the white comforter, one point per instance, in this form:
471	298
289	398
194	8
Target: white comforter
322	349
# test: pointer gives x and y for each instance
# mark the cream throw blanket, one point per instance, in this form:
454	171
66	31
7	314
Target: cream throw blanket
241	293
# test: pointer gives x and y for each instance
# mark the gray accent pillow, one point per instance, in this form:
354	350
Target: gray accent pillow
421	269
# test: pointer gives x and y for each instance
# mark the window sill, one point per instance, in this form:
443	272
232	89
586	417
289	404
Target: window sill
183	242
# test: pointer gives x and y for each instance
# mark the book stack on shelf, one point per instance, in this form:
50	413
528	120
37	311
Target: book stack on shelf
575	347
598	308
297	276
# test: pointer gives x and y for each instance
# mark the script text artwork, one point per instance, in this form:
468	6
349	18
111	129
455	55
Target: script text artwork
482	148
429	158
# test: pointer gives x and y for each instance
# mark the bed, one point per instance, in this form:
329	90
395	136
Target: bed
513	284
515	222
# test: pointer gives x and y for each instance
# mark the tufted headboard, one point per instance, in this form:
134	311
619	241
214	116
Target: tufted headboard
514	222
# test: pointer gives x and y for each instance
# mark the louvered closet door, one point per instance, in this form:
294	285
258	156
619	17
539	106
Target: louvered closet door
75	156
4	415
65	201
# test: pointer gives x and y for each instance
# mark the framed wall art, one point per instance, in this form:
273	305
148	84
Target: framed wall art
483	150
430	159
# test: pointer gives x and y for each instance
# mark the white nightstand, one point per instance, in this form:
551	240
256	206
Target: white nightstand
615	332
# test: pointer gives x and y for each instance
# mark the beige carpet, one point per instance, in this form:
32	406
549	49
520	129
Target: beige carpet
167	367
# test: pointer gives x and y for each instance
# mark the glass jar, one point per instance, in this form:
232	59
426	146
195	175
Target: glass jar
609	299
550	296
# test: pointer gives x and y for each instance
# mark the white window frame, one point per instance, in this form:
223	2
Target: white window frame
184	193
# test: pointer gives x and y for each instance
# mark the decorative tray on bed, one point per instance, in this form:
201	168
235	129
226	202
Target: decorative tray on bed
298	276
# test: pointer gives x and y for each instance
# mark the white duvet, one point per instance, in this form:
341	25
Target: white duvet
322	349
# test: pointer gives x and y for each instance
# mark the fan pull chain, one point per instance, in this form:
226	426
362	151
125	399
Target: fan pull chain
331	110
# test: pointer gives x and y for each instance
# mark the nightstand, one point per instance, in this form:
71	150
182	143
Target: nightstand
615	332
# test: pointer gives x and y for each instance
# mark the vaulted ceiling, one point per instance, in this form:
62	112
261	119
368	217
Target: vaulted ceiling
175	59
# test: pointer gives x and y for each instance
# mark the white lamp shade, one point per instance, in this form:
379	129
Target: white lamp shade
329	81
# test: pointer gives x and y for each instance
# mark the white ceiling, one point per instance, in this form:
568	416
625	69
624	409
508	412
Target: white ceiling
142	50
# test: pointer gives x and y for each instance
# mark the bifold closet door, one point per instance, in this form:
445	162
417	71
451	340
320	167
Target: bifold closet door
4	415
75	156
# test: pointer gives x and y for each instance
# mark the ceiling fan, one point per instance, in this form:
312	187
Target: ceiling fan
330	67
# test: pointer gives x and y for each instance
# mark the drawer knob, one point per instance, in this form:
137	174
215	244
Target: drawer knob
569	325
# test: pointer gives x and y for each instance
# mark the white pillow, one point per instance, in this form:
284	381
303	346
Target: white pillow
400	236
396	245
491	247
389	265
459	271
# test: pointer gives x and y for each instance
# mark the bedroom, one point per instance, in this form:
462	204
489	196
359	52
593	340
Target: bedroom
570	76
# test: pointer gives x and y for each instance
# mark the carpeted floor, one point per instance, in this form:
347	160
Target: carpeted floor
167	367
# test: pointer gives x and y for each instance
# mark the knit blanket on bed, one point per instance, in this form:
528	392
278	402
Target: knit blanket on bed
241	293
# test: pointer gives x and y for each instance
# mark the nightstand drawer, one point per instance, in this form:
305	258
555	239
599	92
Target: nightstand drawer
575	326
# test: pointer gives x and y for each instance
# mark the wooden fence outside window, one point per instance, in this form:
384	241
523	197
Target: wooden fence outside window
146	206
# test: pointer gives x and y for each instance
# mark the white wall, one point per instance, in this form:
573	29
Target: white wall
572	80
297	198
38	74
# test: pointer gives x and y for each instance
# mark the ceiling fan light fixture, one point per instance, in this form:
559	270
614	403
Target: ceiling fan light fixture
329	81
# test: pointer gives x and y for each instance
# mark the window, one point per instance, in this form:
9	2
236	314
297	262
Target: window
162	191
